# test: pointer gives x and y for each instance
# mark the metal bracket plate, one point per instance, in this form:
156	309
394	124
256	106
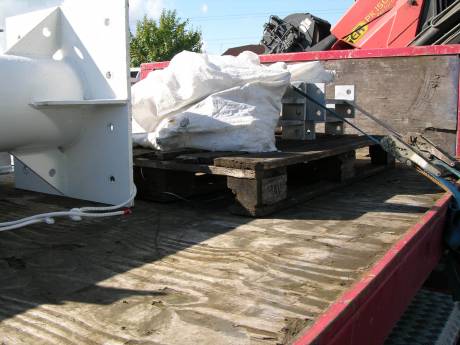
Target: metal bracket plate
92	38
345	92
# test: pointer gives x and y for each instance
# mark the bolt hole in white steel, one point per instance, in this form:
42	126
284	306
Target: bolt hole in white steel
46	32
108	75
348	92
52	172
112	179
107	21
79	53
58	55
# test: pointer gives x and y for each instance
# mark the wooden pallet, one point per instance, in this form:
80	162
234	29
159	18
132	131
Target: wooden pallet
262	183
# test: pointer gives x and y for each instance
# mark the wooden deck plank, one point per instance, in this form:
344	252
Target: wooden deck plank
295	152
190	273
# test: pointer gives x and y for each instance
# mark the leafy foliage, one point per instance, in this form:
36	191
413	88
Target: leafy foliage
160	41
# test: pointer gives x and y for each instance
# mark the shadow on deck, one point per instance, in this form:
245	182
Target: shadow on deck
82	262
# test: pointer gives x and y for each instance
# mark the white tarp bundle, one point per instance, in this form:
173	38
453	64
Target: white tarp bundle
216	103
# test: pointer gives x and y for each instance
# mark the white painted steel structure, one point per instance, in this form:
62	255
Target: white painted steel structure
65	100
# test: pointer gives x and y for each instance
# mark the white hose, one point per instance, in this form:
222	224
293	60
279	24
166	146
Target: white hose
75	214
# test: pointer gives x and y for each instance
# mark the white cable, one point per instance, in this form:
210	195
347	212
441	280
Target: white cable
111	208
21	225
41	217
76	214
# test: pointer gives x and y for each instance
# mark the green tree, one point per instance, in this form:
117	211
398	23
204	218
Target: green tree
160	41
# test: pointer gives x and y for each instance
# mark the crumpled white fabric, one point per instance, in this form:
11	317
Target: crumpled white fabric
216	103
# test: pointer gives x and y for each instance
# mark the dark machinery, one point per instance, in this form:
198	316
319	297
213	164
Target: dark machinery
296	33
367	24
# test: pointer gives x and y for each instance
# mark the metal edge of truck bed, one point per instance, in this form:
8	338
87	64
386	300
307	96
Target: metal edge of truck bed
454	49
362	314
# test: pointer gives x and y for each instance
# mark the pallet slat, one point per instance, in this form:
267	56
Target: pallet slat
295	152
261	182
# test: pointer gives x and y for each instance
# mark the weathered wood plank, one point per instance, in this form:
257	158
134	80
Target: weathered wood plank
247	204
252	195
139	152
204	157
290	153
411	94
243	165
295	153
260	185
189	273
203	168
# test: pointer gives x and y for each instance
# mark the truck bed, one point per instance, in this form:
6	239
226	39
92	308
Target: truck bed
191	273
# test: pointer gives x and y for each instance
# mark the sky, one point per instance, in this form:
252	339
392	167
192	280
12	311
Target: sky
227	24
224	24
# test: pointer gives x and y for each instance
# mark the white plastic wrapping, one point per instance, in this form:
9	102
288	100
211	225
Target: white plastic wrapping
216	103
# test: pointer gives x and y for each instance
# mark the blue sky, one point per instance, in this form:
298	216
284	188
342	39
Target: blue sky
224	24
228	24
